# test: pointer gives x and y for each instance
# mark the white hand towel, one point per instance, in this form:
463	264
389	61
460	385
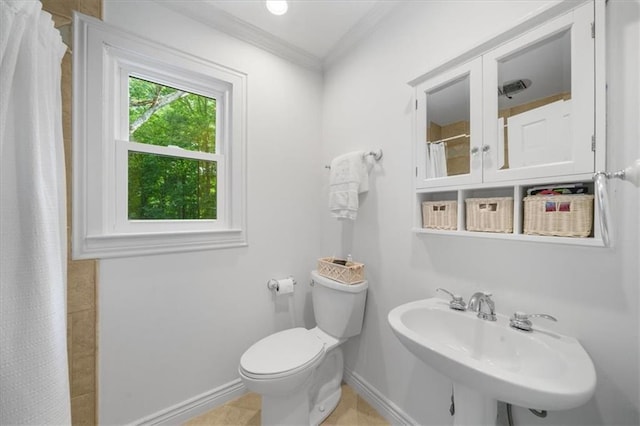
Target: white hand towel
348	177
365	166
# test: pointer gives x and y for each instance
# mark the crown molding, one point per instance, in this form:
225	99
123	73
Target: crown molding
363	28
227	23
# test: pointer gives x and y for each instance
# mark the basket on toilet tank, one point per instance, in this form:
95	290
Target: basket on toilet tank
344	271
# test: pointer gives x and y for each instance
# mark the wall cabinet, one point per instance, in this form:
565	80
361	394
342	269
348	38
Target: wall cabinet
522	109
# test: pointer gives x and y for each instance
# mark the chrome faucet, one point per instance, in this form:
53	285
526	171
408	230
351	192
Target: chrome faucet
478	301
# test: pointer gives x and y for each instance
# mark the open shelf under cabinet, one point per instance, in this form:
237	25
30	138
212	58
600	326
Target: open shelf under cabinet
518	192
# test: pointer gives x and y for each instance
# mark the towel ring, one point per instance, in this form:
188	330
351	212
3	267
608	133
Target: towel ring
377	155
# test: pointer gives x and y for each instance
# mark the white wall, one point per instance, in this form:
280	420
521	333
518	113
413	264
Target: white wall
593	291
172	327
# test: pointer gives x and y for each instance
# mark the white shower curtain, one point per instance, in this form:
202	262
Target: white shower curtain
34	380
436	160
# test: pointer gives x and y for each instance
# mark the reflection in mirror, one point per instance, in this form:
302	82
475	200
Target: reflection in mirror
534	104
448	135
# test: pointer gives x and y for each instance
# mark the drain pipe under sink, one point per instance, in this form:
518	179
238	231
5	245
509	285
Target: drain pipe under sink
539	413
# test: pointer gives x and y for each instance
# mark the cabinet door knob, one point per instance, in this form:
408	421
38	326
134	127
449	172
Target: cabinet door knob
485	148
475	150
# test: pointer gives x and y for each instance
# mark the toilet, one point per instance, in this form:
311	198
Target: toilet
298	372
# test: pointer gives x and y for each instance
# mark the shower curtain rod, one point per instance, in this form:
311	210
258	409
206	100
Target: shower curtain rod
445	140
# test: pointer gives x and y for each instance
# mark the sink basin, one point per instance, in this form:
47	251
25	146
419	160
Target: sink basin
539	369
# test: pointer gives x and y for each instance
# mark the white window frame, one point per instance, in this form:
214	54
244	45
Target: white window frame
104	58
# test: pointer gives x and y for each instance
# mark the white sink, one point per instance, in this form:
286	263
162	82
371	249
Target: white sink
490	361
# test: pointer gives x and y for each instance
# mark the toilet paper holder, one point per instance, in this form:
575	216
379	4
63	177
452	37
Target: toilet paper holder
273	285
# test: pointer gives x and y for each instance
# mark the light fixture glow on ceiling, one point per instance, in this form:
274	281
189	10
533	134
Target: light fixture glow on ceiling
277	7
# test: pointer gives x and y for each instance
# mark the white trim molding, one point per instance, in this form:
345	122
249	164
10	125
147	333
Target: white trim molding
193	407
227	23
362	29
200	404
385	407
104	57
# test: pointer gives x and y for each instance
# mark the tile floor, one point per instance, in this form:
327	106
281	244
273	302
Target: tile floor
352	410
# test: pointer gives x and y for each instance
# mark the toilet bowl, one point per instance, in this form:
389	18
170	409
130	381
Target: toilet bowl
298	372
281	363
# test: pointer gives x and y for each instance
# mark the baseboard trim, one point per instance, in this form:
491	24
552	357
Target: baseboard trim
383	405
181	412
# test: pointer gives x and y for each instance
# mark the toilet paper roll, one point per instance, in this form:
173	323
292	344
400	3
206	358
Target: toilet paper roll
285	286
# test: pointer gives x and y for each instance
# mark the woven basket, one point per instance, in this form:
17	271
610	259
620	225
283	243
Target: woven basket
351	273
490	214
559	215
440	214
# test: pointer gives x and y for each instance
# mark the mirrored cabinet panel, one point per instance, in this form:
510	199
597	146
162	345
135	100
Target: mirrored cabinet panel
539	101
448	133
450	122
534	104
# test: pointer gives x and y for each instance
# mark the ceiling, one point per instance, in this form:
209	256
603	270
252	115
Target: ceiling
312	32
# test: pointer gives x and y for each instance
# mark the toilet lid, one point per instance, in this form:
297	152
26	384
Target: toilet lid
281	352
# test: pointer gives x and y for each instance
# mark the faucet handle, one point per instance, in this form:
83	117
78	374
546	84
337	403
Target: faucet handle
521	321
456	302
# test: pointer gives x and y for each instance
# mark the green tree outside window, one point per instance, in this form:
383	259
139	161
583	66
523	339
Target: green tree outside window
163	187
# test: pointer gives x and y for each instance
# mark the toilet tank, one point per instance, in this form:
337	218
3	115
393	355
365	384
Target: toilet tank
338	308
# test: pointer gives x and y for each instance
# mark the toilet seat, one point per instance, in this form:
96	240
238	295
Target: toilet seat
282	354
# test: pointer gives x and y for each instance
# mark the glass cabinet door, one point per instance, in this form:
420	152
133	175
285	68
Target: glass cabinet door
539	101
449	127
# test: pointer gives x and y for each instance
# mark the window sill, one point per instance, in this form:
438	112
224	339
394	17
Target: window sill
123	245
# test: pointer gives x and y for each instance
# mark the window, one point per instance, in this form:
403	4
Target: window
174	182
169	146
159	148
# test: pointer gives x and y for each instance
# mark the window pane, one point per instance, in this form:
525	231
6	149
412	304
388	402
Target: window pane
162	115
171	188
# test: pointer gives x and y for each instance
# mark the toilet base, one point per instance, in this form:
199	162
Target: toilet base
324	408
313	402
287	410
326	390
